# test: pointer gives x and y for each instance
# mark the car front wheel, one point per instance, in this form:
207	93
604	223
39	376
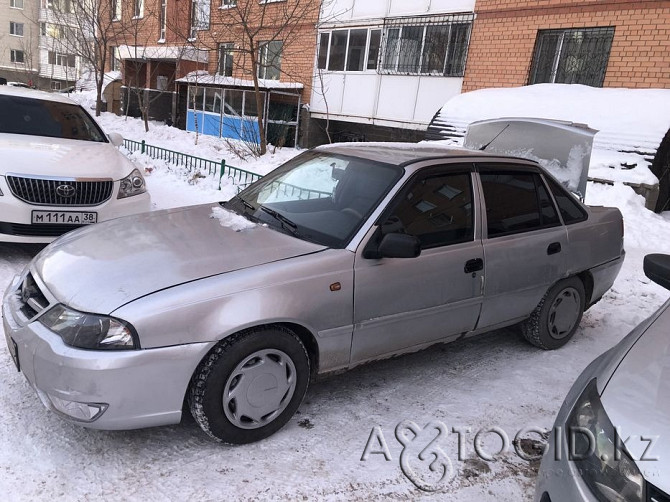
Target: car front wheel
555	320
250	385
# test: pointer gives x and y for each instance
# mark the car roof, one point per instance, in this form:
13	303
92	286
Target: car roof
10	90
407	153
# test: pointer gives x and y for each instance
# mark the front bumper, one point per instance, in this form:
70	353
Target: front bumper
135	388
16	215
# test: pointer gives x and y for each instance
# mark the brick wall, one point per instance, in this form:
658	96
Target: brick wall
504	33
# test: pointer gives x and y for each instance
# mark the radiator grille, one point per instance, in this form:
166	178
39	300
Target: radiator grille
54	192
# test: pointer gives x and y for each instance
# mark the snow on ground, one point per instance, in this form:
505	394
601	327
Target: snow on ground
492	380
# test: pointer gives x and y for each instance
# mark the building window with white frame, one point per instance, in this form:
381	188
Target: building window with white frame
16	4
138	9
16	29
163	20
200	12
353	50
225	66
114	59
116	10
227	4
269	59
17	56
55	85
58	59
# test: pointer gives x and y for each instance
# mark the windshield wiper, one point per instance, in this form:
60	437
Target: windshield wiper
285	222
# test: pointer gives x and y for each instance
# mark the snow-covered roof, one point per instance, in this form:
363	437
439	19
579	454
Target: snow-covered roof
631	122
168	52
204	78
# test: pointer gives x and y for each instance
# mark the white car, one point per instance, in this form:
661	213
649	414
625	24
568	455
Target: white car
58	169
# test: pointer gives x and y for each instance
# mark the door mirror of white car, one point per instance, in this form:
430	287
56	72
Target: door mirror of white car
115	138
657	268
396	245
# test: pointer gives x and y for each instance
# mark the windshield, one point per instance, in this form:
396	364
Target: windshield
51	119
318	196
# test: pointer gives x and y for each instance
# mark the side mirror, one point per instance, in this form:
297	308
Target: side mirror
657	268
397	245
115	138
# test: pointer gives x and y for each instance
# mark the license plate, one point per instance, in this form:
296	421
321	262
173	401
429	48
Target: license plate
63	218
13	351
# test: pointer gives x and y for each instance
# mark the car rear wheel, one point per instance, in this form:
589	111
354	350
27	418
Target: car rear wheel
555	320
250	385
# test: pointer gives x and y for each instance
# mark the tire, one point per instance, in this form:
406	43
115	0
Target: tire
555	320
250	385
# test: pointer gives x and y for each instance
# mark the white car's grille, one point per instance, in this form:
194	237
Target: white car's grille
55	192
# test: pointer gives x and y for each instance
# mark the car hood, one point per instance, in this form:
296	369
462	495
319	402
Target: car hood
102	267
637	399
38	156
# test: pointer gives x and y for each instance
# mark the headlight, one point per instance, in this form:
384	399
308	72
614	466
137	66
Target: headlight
598	454
133	184
90	331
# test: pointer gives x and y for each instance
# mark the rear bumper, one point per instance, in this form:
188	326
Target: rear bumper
134	388
604	276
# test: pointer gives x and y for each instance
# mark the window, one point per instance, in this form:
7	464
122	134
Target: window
573	56
516	202
55	86
59	59
269	60
436	46
138	8
116	10
225	66
436	209
163	20
16	4
199	16
353	50
43	29
64	6
17	56
570	209
228	3
16	29
114	59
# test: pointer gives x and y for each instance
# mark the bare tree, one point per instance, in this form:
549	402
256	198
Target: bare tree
267	37
88	27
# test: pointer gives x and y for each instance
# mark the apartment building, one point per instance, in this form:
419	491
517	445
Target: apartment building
601	43
385	67
204	54
19	37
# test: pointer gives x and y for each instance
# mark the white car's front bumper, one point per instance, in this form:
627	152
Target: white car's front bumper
16	215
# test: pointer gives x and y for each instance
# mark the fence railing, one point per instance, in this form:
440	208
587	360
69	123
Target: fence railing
239	176
191	162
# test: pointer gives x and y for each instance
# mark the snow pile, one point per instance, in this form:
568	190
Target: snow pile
231	220
631	122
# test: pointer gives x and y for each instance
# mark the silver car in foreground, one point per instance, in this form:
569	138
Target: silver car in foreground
343	255
611	439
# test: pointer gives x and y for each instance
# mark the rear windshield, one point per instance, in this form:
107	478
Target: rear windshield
36	117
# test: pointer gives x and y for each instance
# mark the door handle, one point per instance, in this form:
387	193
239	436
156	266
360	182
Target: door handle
554	247
474	265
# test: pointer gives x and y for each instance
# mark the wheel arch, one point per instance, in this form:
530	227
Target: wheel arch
587	280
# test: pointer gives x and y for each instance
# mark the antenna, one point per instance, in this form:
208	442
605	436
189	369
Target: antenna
494	138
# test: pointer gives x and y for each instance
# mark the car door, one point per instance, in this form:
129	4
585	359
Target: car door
401	303
525	243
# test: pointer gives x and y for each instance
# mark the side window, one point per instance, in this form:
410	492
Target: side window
437	209
570	209
516	202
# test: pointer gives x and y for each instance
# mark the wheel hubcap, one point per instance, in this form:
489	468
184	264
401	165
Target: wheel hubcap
563	313
259	389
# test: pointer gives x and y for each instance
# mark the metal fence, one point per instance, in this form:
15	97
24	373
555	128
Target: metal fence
191	162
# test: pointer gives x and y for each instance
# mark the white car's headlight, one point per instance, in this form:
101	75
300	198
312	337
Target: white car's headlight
133	184
598	455
90	331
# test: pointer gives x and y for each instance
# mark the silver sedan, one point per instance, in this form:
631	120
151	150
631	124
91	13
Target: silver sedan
346	254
